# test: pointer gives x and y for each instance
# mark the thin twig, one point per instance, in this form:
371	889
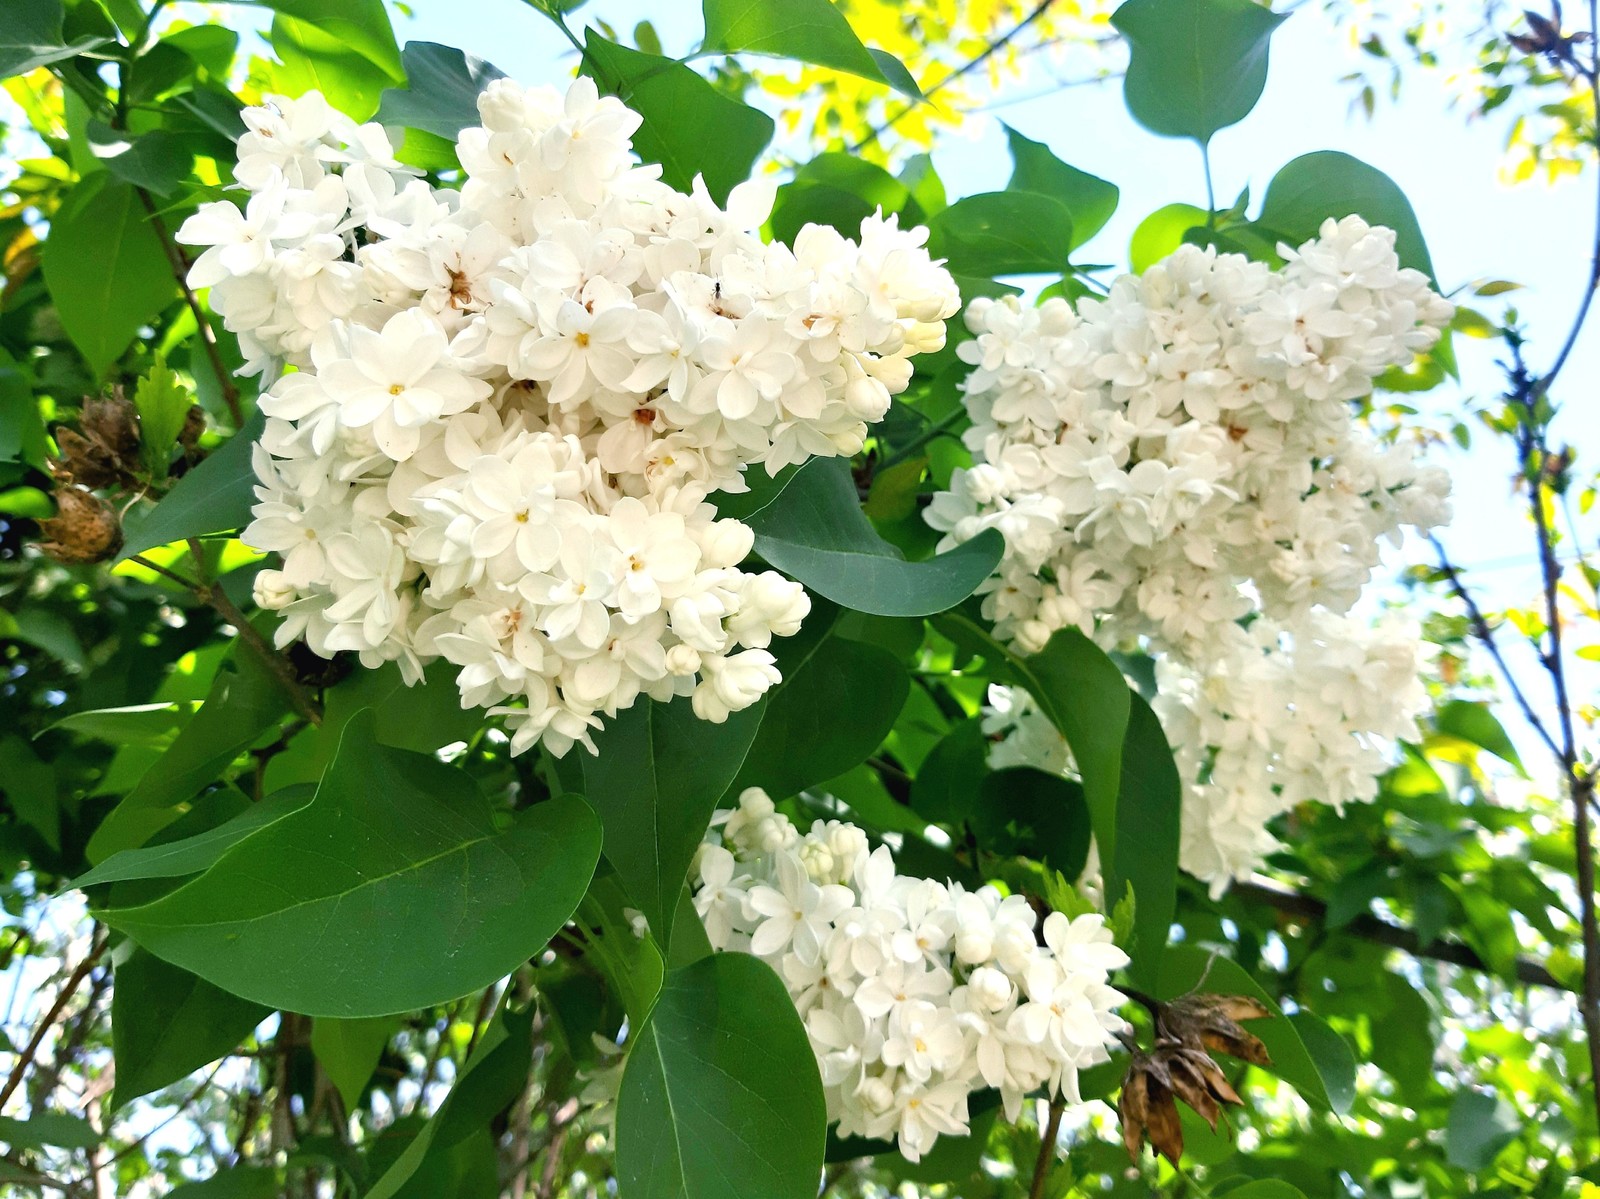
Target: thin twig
1381	932
186	584
1047	1149
68	989
208	337
210	592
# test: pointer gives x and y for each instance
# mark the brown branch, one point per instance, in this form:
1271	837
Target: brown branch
1047	1149
208	337
210	592
63	997
1381	932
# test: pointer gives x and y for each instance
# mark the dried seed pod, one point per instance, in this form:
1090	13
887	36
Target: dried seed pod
1212	1022
104	450
1154	1084
84	529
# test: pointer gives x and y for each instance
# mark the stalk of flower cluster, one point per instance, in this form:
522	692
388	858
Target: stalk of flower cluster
1183	459
507	405
914	993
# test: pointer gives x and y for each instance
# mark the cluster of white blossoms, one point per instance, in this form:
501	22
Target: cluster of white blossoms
914	993
508	403
1184	456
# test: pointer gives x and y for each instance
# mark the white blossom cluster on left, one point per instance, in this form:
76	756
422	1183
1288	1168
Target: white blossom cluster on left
506	404
914	993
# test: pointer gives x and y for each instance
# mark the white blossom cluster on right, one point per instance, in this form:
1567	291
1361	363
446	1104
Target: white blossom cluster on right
508	402
1179	468
914	993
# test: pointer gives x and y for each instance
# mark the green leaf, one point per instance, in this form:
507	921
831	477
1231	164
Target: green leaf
31	37
1194	66
240	1182
158	161
1089	200
29	785
425	900
241	705
837	702
720	1098
947	785
814	531
312	57
1187	968
48	1128
441	92
1032	812
213	497
107	273
1481	1125
22	436
835	189
1266	1188
1331	1053
1162	232
191	855
491	1080
1003	233
689	127
362	26
1477	724
163	404
812	31
655	781
348	1051
1315	187
166	1024
1149	803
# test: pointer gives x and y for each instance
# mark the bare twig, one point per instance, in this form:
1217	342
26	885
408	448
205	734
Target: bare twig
208	337
1047	1149
63	997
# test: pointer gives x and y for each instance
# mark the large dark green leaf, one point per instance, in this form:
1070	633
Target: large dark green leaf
240	1182
392	890
166	1023
812	31
1331	1053
1032	812
689	127
1149	803
947	784
1326	184
721	1098
48	1128
214	497
655	783
814	530
107	272
1089	200
1003	233
441	92
30	36
837	702
1194	66
493	1077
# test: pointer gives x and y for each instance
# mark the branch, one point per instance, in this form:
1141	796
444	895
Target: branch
68	989
208	337
1047	1149
1381	932
209	592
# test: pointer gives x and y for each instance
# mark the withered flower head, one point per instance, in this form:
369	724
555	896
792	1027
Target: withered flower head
1211	1022
1155	1082
84	529
104	450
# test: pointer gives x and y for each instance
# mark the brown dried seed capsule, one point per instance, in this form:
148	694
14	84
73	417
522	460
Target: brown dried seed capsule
84	529
1211	1022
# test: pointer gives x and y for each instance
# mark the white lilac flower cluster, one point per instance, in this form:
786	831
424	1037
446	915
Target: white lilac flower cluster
508	403
1179	467
914	993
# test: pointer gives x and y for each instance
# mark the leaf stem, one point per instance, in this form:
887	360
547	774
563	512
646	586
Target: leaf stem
934	431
